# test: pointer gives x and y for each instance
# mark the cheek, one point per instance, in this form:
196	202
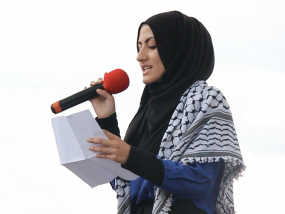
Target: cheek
160	67
156	59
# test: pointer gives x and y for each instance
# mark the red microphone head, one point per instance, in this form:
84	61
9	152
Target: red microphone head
116	81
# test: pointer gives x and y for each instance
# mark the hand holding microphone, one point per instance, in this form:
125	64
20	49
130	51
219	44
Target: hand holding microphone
104	104
114	82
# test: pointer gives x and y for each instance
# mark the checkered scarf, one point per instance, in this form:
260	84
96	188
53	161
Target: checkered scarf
201	130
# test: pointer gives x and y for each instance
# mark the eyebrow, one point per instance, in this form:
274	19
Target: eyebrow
146	41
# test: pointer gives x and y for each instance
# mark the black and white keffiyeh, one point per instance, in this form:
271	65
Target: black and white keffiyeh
201	129
180	117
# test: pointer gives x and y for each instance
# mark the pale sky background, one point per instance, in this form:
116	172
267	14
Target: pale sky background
52	49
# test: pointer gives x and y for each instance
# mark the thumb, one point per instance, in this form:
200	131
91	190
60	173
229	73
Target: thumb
110	135
102	92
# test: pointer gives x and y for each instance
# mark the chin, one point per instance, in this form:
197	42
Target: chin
153	76
147	81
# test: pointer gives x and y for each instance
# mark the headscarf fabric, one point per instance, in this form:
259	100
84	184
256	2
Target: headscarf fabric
180	117
186	50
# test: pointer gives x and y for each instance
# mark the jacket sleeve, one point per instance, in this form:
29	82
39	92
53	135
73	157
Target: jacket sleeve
109	123
191	181
182	180
145	164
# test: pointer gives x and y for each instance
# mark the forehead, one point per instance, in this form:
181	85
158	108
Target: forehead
145	33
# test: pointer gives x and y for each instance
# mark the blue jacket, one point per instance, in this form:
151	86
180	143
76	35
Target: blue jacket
199	183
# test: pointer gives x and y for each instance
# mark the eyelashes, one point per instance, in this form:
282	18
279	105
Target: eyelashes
151	47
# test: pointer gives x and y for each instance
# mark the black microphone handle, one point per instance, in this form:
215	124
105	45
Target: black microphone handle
80	97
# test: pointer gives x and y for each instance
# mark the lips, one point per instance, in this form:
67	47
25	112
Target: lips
145	68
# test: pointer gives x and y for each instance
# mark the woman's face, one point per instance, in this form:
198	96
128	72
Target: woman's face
148	56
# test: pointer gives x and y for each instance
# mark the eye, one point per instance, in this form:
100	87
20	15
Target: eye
152	47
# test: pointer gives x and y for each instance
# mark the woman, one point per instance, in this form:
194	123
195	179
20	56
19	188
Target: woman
181	142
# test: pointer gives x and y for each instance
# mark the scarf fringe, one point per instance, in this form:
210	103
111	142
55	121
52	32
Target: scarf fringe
194	147
235	162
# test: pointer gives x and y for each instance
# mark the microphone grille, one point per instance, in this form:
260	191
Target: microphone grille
116	81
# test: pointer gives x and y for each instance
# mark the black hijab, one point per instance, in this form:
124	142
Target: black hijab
186	50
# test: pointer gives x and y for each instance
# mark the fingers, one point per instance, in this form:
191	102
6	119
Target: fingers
102	93
102	149
113	148
99	80
110	135
106	151
92	83
109	144
97	140
105	148
106	156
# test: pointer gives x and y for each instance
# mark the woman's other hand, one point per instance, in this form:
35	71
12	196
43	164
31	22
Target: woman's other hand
113	148
104	104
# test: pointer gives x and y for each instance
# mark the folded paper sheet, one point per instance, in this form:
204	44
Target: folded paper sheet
71	133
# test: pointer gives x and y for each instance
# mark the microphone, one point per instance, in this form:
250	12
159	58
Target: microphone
114	82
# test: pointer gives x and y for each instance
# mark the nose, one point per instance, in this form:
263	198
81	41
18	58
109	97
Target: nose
141	55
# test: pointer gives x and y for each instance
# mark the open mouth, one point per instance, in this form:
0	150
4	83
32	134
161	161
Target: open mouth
146	69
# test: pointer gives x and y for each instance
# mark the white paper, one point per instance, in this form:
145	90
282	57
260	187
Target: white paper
71	133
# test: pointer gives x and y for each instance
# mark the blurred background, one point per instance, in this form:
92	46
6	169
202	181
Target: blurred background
52	49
